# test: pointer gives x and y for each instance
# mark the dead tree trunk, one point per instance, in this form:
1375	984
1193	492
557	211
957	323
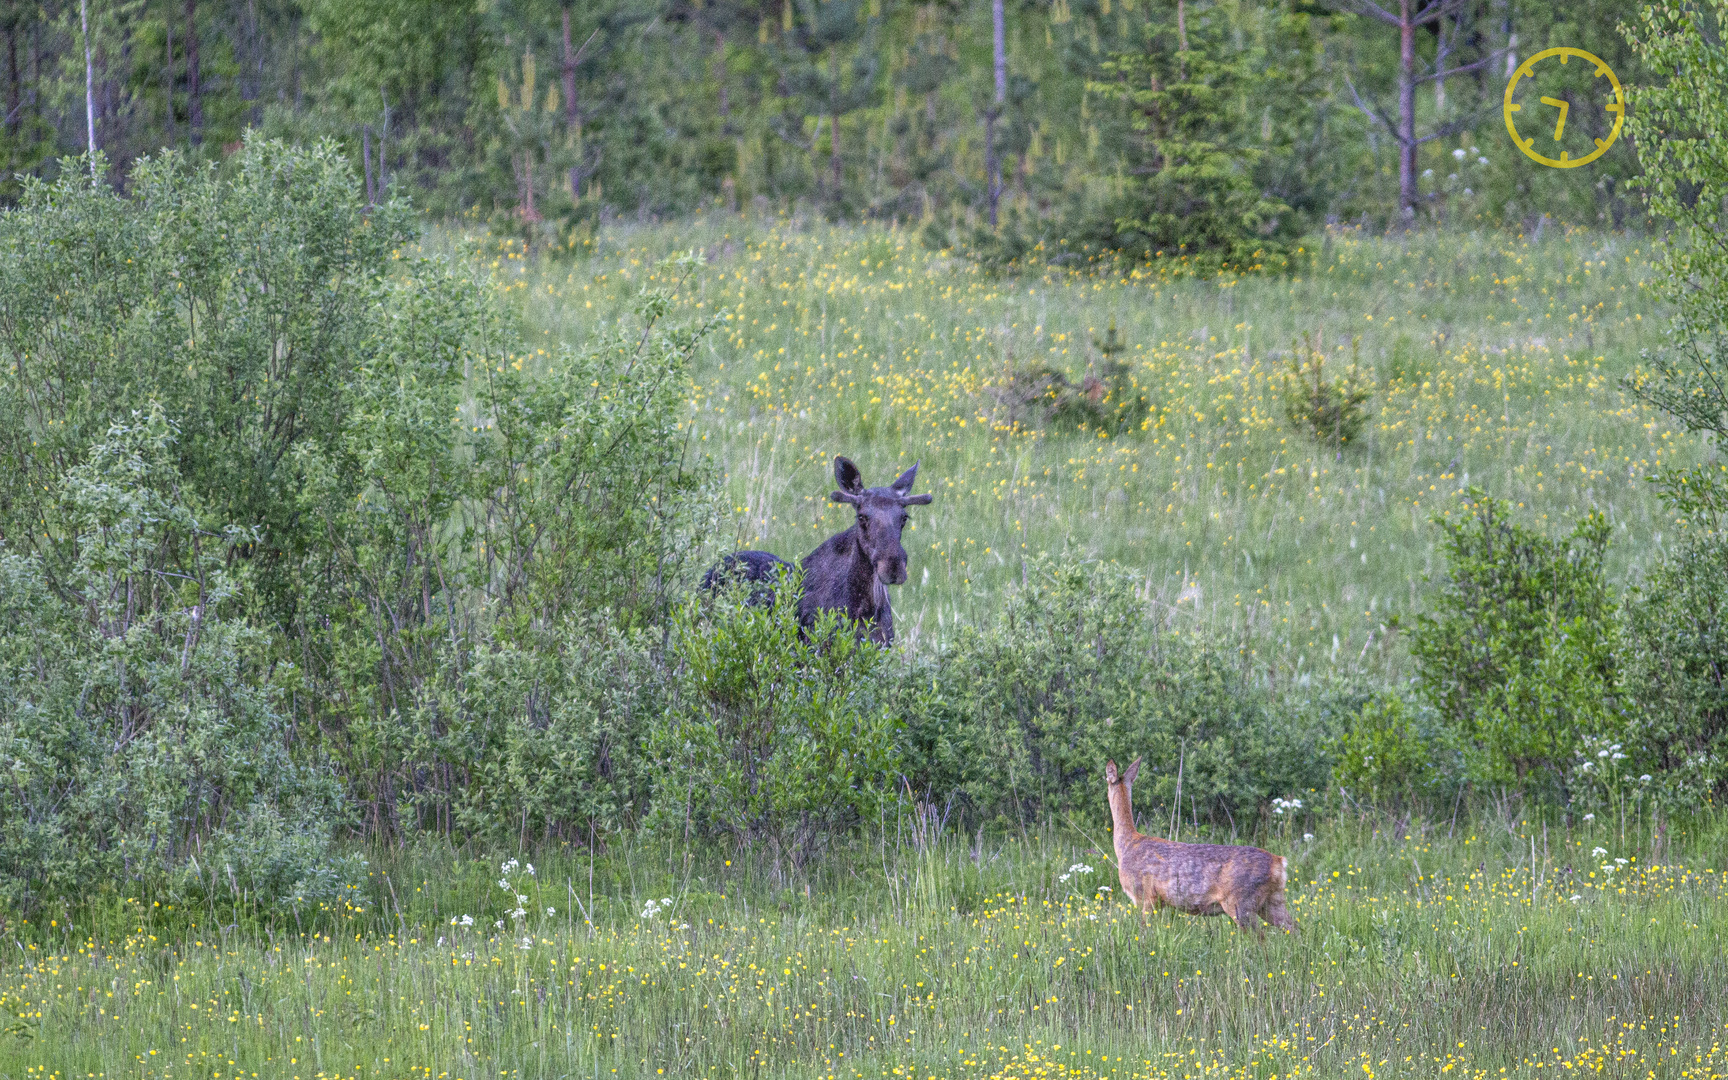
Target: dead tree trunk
993	160
1407	193
194	91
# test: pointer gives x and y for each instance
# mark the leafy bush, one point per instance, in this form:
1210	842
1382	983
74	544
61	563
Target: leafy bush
1107	398
1518	654
1385	755
773	737
1330	411
542	744
1677	669
1676	125
141	738
1016	716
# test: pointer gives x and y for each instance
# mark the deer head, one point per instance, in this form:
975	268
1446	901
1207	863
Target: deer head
881	516
1119	786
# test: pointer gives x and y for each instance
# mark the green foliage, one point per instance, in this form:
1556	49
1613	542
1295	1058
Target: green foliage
238	302
1677	649
773	737
1017	714
1192	193
540	745
1330	411
1108	398
1517	655
1384	755
446	563
1678	126
144	741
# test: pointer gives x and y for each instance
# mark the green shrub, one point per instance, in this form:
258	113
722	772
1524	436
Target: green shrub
142	739
1385	755
1328	410
1677	669
1017	715
542	744
1517	655
773	737
1676	125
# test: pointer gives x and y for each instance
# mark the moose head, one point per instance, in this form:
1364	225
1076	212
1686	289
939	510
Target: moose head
881	516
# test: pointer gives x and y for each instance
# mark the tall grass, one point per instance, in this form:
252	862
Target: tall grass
1496	361
1476	945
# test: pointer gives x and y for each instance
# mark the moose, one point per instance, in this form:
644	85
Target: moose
851	571
1196	879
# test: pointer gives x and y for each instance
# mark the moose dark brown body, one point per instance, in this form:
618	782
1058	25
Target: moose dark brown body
851	571
1245	883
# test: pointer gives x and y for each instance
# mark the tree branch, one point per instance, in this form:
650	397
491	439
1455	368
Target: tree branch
1373	112
1465	69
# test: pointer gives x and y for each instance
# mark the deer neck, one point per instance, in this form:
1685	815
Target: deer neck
1122	830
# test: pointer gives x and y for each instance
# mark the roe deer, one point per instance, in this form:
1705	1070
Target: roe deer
1196	879
851	571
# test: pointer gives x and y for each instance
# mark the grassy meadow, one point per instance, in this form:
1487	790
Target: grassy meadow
1487	944
1497	361
1477	949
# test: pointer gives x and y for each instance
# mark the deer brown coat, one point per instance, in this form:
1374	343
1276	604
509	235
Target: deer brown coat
1196	879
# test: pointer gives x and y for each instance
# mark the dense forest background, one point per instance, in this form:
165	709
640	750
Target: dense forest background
548	116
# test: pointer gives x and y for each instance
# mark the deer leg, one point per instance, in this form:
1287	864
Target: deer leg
1279	915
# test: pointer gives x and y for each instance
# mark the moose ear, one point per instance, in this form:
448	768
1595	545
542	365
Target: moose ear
1133	771
904	483
916	500
1110	773
843	497
847	476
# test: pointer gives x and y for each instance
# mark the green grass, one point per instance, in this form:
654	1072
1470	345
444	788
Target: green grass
1493	943
1497	362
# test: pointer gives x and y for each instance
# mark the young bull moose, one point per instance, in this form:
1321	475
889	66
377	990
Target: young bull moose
1196	879
852	570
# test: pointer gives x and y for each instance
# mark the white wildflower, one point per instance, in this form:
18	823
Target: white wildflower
499	924
1307	838
1458	154
1598	852
1589	817
551	911
1481	161
530	869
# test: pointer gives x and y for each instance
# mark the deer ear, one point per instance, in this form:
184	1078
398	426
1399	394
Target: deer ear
1110	772
1133	771
847	476
903	483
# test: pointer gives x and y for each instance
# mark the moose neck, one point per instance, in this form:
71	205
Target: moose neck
1122	830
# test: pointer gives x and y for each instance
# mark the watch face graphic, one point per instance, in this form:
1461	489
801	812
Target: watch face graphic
1537	111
